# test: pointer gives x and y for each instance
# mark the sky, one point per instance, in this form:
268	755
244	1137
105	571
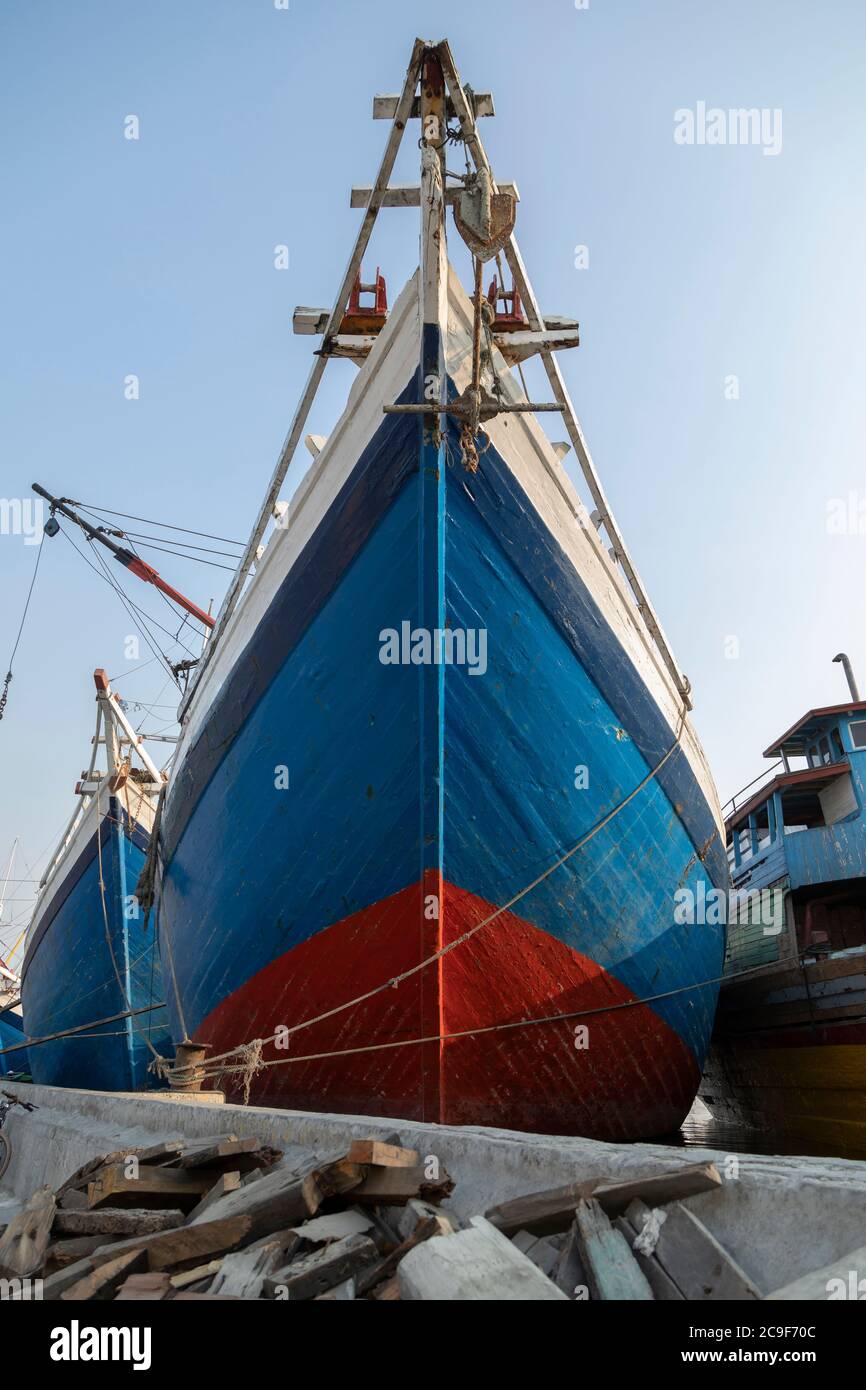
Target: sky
720	295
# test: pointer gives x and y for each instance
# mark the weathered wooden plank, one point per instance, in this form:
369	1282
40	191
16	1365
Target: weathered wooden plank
185	1246
280	1199
197	1273
386	1268
84	1175
150	1187
104	1281
539	1250
416	1211
570	1275
544	1213
314	1274
243	1274
518	346
663	1287
115	1221
145	1288
229	1155
158	1153
611	1268
408	195
66	1252
690	1254
226	1182
385	107
658	1188
335	1227
25	1240
476	1264
394	1186
381	1154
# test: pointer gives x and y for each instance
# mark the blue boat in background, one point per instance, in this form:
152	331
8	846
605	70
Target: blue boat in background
11	1035
91	969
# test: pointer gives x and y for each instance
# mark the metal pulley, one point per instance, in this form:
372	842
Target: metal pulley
484	219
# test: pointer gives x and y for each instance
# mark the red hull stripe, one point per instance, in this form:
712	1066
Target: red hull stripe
627	1075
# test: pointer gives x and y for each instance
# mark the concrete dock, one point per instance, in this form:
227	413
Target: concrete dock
779	1217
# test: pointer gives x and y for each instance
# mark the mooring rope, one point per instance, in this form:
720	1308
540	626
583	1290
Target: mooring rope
284	1033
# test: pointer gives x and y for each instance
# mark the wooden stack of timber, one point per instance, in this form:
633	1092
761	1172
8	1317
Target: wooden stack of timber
225	1218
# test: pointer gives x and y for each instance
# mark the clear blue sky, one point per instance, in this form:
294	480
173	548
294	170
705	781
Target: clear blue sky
155	257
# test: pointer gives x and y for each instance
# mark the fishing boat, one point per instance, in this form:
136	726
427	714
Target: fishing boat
91	986
789	1056
13	1055
437	782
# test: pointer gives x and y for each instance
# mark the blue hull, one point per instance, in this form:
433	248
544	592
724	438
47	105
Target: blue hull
417	783
69	978
11	1034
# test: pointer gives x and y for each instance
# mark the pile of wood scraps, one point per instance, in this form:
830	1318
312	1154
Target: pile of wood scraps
229	1218
225	1218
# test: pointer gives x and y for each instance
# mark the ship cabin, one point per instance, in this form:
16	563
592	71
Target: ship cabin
801	830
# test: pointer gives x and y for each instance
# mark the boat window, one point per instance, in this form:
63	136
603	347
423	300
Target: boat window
824	747
838	746
858	732
814	756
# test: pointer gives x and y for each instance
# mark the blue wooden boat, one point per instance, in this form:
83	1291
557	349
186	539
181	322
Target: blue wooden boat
437	784
790	1048
89	956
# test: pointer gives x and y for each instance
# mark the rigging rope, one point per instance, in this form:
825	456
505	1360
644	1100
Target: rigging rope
4	696
392	983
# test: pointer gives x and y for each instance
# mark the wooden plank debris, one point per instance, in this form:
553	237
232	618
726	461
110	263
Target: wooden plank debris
226	1182
544	1213
692	1257
385	107
386	1268
381	1154
416	1211
66	1252
395	1186
104	1281
282	1198
570	1274
476	1264
663	1287
193	1276
117	1221
145	1287
25	1240
408	195
611	1268
313	1274
185	1246
151	1186
243	1274
334	1227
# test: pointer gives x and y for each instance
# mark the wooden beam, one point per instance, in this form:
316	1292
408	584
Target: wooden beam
477	1264
408	195
544	1213
692	1257
611	1268
516	347
385	107
296	429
